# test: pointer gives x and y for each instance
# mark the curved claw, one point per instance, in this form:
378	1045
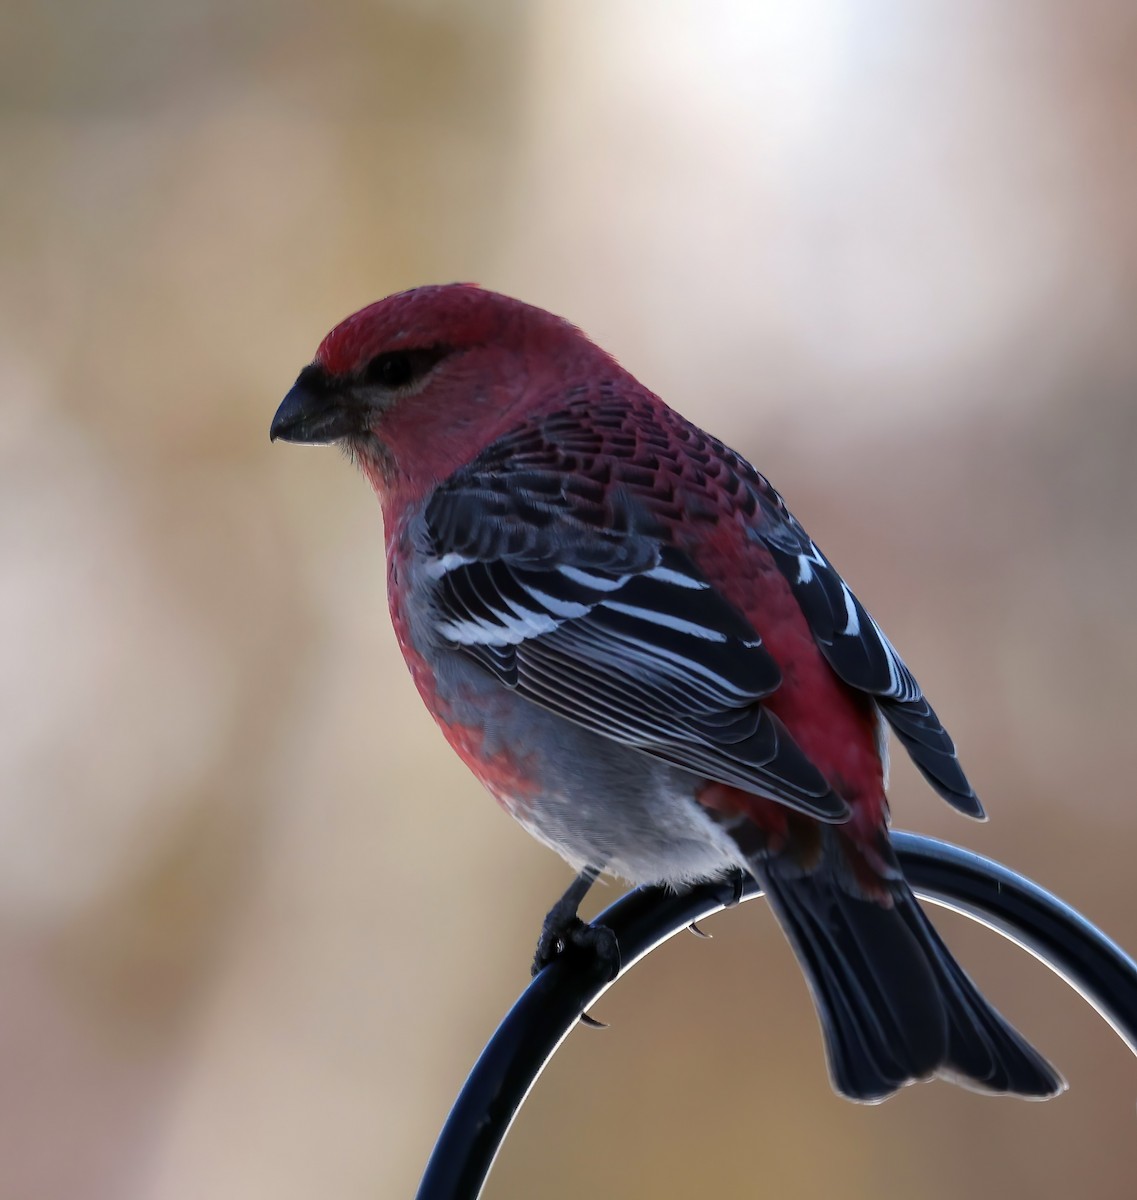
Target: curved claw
702	933
592	1022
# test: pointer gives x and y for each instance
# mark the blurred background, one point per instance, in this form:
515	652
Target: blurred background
255	922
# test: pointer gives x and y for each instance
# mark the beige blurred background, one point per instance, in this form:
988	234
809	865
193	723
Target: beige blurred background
255	921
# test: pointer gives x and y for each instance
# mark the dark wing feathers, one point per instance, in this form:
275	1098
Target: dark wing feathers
608	628
857	649
568	595
933	751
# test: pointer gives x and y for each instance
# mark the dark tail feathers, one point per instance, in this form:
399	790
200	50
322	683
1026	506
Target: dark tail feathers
894	1005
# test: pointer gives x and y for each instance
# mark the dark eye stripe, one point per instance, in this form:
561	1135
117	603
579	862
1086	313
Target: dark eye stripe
399	368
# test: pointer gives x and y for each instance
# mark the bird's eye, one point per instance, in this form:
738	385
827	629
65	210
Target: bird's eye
397	368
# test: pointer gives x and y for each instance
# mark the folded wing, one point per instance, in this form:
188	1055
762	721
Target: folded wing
609	627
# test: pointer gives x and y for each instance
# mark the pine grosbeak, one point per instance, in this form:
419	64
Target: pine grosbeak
629	639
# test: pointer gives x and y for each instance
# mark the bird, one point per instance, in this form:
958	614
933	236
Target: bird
629	639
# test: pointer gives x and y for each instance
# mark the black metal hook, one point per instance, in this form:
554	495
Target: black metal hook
1096	967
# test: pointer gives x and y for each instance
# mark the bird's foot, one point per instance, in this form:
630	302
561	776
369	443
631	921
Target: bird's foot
565	935
591	948
731	889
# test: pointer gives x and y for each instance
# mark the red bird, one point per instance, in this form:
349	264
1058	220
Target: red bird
629	639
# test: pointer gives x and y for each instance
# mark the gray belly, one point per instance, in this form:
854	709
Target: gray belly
599	803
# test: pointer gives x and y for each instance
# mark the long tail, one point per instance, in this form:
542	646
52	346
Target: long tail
894	1004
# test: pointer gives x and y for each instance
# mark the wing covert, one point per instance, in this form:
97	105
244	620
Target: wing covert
599	621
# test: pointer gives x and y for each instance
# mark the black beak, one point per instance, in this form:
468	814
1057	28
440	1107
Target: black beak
315	412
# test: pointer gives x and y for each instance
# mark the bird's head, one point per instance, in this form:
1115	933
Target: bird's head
412	384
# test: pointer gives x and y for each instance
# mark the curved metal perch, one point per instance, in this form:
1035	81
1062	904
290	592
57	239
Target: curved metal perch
550	1006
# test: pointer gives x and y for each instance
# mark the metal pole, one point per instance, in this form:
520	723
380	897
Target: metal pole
550	1006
